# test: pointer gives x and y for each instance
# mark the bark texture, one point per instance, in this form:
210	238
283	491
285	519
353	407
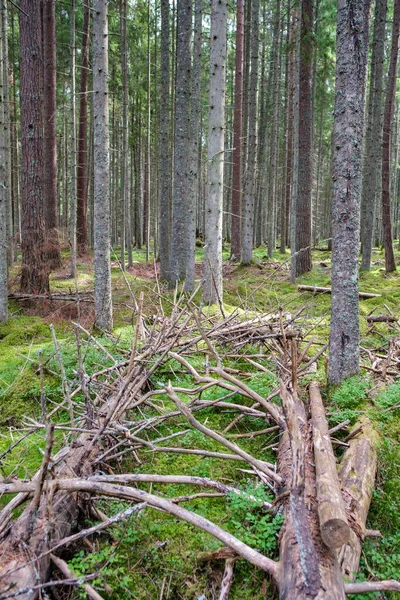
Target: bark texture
390	262
3	203
334	528
194	133
7	132
102	266
164	189
181	146
215	156
250	171
352	52
305	155
236	224
373	135
82	187
50	196
34	276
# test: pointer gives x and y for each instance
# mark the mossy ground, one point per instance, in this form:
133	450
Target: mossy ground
153	549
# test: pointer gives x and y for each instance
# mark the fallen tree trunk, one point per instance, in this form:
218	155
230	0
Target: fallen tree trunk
334	528
308	568
357	476
327	290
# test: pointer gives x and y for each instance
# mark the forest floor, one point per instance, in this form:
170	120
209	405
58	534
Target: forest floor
154	555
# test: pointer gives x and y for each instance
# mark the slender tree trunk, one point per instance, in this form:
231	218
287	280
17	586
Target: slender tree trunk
102	265
181	146
164	189
373	135
249	186
7	137
73	214
148	141
303	261
125	226
215	156
272	181
35	274
351	62
3	198
236	225
50	198
194	131
386	141
15	170
82	168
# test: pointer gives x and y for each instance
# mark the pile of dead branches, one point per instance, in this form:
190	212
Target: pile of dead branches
111	411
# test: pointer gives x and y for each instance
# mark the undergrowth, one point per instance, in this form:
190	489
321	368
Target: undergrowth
151	550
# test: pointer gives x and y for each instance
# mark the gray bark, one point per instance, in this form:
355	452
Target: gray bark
272	183
215	156
181	146
164	189
125	225
3	201
352	53
72	224
373	136
249	185
194	130
102	266
7	137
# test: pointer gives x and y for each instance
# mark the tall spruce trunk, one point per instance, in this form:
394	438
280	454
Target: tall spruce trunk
351	63
35	273
73	194
181	147
82	187
164	188
7	132
249	185
390	262
194	131
102	265
236	223
274	146
126	217
50	197
373	136
303	261
215	156
3	200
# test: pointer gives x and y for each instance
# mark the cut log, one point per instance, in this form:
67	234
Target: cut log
335	530
308	568
357	477
327	290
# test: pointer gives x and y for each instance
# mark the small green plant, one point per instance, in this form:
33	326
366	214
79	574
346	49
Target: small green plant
250	522
348	399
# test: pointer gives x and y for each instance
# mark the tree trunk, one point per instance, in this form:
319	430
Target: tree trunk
7	136
102	265
73	213
82	187
125	225
249	185
35	274
274	142
352	53
303	260
50	197
373	136
215	156
236	225
386	141
164	189
181	146
3	201
194	131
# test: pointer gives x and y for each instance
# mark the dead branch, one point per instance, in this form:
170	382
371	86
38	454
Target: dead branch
65	570
327	290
